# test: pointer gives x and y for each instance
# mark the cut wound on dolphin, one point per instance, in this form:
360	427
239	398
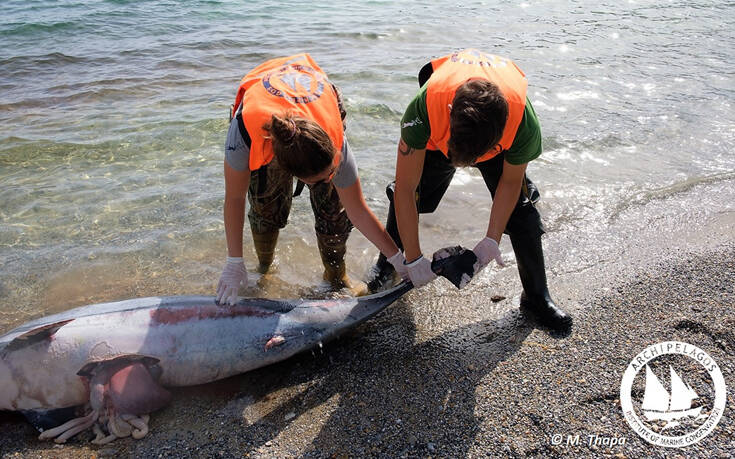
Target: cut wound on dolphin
277	340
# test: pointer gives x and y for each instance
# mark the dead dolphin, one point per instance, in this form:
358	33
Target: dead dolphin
112	361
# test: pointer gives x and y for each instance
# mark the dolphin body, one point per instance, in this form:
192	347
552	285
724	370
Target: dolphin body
116	358
185	340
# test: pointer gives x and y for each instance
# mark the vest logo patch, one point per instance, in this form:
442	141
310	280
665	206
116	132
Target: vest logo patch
299	84
475	57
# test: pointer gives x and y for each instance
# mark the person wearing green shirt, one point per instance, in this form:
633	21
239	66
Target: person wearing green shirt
474	121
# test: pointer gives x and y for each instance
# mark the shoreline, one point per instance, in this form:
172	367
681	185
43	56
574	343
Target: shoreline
460	375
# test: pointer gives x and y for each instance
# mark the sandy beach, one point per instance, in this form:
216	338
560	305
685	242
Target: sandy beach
465	376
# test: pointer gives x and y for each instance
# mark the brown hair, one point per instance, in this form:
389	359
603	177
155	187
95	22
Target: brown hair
301	147
476	121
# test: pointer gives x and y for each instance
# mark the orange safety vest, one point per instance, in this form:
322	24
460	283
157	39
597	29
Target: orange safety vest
292	84
450	72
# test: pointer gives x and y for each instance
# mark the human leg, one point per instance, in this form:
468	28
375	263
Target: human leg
332	230
525	228
270	203
436	176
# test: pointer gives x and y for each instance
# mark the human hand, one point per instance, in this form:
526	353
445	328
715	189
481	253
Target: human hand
487	250
419	271
399	263
233	275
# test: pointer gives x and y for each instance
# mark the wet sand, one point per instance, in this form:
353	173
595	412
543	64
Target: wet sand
461	375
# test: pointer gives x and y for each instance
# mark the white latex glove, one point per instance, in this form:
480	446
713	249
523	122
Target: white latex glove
419	271
399	263
487	250
233	275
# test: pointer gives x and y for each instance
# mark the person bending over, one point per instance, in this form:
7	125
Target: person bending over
472	110
287	121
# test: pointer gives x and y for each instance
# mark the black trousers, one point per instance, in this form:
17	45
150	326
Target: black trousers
525	221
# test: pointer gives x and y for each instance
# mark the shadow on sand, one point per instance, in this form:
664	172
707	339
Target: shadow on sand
378	390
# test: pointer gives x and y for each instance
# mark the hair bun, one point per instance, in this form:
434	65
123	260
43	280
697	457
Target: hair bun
284	129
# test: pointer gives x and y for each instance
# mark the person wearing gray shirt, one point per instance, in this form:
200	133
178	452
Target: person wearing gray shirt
286	126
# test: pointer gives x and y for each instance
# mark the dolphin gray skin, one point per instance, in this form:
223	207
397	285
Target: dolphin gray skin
186	340
113	360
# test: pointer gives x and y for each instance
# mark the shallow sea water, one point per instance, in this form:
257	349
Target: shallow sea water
113	117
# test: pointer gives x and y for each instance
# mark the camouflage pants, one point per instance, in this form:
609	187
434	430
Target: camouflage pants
270	195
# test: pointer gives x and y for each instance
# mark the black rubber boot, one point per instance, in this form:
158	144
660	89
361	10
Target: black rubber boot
535	297
382	274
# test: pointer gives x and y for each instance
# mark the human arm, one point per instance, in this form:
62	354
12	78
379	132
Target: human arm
234	273
526	147
415	133
409	166
364	219
504	201
368	224
236	188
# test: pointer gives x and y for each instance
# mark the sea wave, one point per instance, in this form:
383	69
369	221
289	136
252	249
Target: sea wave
36	29
646	196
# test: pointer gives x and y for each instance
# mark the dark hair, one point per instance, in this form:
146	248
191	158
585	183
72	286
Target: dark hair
300	146
476	121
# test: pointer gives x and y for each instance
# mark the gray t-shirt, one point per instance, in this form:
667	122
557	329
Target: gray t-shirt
237	155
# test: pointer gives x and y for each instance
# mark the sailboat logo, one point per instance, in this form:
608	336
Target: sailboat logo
658	404
679	405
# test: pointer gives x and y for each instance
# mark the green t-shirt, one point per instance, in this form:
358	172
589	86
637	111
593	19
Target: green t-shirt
415	130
